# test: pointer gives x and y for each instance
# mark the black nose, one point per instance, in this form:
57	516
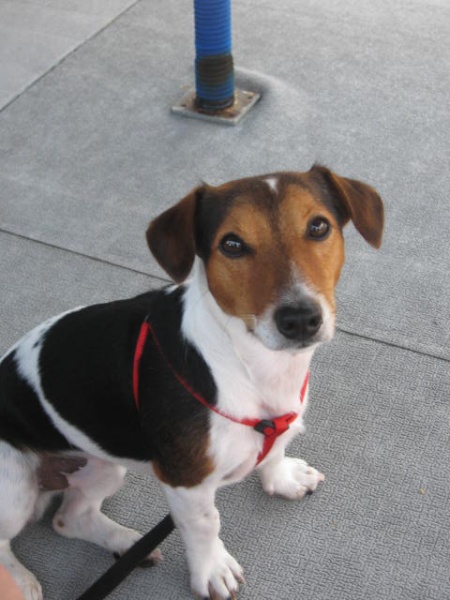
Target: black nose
299	322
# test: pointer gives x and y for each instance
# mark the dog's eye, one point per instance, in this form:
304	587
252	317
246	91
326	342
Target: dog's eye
232	246
319	228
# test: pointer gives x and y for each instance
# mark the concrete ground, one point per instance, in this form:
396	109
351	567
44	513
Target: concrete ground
90	153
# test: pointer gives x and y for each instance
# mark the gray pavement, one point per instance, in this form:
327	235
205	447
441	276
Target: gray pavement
90	153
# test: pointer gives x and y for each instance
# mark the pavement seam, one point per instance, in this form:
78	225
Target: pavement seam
84	255
166	281
66	56
385	342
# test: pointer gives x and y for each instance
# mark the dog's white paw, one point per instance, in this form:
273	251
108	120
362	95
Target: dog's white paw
291	478
27	583
216	577
31	589
29	586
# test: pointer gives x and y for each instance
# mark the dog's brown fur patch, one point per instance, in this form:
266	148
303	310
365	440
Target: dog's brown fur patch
191	445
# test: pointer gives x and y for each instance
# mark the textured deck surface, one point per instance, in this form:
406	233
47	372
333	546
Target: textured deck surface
89	153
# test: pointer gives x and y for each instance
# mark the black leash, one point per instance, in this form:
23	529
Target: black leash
128	561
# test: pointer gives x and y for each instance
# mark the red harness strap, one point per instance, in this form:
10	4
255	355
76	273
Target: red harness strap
271	429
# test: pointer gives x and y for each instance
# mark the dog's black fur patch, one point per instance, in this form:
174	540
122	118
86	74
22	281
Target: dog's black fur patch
86	365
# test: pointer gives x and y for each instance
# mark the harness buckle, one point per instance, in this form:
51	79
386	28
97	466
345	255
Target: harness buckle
265	427
276	427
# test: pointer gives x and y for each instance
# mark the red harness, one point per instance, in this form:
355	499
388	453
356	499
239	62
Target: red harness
271	429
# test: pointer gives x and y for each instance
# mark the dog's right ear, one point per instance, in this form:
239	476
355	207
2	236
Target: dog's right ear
356	201
171	237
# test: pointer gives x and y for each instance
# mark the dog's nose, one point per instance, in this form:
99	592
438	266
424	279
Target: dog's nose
299	322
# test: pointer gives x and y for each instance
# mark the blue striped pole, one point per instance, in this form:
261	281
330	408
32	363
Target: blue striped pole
214	72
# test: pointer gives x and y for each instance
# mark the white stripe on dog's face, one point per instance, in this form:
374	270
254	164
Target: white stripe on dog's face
272	182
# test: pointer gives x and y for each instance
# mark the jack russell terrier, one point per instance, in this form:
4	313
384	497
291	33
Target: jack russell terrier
199	383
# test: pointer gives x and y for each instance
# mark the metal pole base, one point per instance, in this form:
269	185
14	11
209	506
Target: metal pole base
243	102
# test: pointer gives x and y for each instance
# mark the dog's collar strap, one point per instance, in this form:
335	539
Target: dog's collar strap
271	429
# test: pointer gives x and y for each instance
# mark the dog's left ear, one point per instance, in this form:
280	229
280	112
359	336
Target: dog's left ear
171	237
356	201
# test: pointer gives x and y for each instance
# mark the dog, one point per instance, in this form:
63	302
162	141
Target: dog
199	383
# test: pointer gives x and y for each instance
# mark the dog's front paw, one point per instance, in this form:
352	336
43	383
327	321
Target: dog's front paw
29	586
32	590
291	478
216	577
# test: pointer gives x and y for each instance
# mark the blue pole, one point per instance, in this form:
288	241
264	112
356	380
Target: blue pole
214	72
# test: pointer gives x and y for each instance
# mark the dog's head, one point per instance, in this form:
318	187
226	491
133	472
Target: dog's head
272	248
